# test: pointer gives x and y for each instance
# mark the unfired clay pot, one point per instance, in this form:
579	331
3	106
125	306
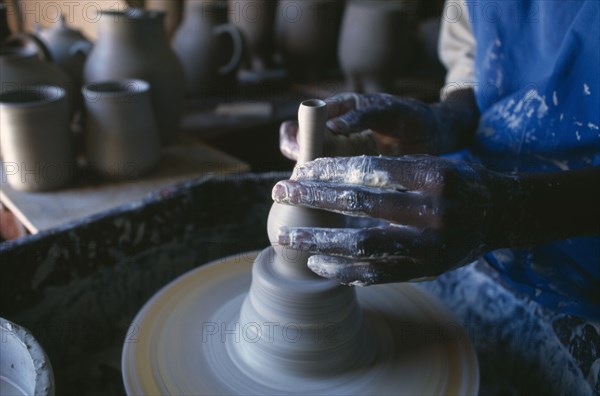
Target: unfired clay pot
133	44
24	65
122	141
256	21
375	43
173	10
307	36
209	62
36	142
68	48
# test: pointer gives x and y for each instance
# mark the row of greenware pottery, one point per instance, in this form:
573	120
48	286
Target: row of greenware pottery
121	135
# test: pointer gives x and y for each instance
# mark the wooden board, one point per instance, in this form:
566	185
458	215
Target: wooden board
41	211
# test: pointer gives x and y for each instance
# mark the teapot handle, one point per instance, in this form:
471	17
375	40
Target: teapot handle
32	38
238	47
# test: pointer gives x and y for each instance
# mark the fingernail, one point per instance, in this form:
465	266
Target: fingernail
280	192
338	125
283	238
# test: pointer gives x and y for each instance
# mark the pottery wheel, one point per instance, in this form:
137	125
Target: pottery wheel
181	342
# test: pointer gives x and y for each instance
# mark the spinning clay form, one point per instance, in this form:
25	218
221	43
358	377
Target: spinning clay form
263	323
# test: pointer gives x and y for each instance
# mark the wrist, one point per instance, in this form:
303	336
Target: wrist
456	121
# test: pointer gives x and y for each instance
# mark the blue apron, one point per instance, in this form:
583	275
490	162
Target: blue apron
538	90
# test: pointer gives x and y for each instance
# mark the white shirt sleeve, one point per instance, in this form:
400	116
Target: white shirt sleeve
456	48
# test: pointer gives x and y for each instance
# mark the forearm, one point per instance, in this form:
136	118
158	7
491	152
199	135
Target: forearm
457	118
542	207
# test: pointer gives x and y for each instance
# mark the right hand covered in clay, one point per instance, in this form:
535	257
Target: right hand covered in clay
438	215
390	125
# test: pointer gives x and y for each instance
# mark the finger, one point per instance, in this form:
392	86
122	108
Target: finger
399	173
342	103
370	272
408	208
379	242
288	142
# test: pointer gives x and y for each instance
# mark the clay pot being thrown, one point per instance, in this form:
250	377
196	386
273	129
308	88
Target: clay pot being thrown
256	21
375	43
133	44
307	35
68	48
209	63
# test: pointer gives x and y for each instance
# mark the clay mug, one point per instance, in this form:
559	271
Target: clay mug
209	62
375	43
133	45
68	48
256	20
307	36
36	141
121	135
23	61
173	10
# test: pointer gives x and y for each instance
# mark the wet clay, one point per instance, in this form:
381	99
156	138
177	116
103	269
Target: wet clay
281	329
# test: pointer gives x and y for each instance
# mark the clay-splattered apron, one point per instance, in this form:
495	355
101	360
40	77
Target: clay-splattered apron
538	73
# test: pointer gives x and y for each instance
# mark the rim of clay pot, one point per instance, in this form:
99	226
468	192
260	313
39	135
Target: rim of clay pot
24	339
134	14
125	86
314	103
32	95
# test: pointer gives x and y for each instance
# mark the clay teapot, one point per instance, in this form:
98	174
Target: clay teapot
307	36
133	44
375	42
209	49
67	47
24	62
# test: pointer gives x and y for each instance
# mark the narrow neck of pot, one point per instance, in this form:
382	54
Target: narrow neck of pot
144	28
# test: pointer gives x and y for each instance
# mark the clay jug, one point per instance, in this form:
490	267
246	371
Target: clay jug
67	47
375	43
210	50
133	44
307	35
24	64
256	21
173	10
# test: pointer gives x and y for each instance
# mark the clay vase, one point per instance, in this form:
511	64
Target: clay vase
36	142
121	136
375	43
210	50
256	21
68	48
24	64
307	36
173	10
133	45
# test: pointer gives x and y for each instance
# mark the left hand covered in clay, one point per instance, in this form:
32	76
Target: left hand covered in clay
437	214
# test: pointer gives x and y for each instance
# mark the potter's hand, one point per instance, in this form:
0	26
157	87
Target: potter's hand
394	125
438	215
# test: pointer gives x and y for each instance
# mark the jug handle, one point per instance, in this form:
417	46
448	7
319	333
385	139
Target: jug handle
30	37
81	47
238	47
